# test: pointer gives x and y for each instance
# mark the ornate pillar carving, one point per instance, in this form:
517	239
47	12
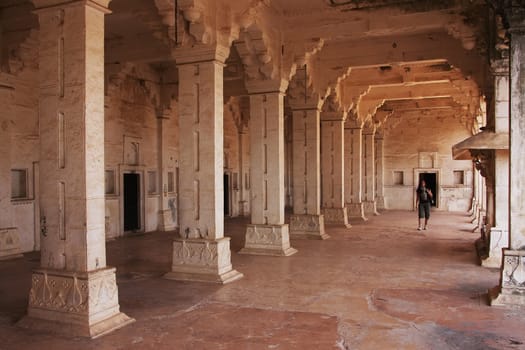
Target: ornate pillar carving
73	291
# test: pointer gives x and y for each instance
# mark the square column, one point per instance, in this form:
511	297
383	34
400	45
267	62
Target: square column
267	234
73	292
379	175
369	173
332	168
498	234
9	235
511	290
306	221
166	208
353	170
244	171
202	253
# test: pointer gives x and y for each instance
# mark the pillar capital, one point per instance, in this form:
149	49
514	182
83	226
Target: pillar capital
41	5
333	116
200	53
499	67
261	87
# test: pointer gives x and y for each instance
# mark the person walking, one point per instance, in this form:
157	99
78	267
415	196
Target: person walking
423	200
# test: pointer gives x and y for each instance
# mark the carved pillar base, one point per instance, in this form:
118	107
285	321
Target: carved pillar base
370	208
271	240
166	222
307	226
74	303
380	203
336	216
498	240
10	243
202	260
512	285
356	211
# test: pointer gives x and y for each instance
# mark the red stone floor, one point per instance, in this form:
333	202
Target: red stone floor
379	285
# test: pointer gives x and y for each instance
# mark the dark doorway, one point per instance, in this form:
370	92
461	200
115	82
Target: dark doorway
131	202
431	181
226	195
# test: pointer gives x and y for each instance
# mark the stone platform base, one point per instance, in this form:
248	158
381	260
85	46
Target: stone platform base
307	226
370	208
498	240
10	243
202	260
356	211
74	303
271	240
166	220
512	289
335	216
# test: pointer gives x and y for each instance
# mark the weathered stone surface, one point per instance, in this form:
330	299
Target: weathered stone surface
307	226
268	240
202	260
72	303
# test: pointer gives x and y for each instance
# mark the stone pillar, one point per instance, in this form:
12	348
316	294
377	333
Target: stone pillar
332	168
9	235
202	253
354	169
306	221
511	290
369	170
267	234
379	168
498	235
166	214
73	291
244	172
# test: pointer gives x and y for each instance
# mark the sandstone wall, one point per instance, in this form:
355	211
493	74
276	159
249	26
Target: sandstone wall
422	143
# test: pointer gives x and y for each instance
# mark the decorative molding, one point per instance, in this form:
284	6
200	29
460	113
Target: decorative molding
74	303
202	260
336	216
268	240
512	288
10	243
307	226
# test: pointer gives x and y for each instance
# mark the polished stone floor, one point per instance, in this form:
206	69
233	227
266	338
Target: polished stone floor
378	285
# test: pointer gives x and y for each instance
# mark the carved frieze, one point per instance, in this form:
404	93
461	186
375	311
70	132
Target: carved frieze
201	253
73	293
335	215
9	242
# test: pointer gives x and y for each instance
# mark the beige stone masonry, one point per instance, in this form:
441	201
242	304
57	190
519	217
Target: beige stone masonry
73	291
332	168
202	253
354	169
498	234
306	221
267	233
166	213
379	170
511	290
10	243
9	236
369	170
